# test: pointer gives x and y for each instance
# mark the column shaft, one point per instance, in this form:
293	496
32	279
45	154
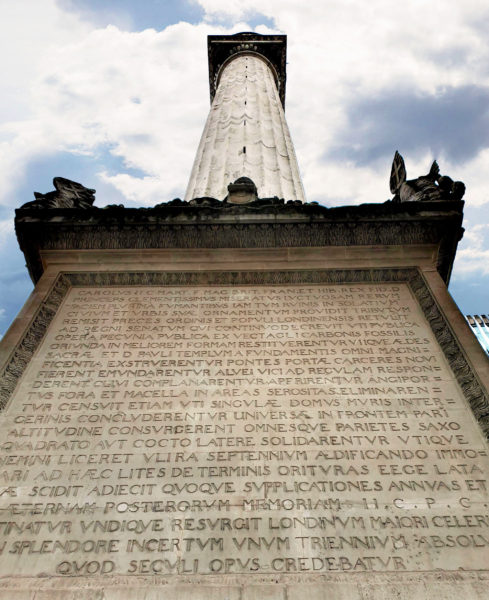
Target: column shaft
246	134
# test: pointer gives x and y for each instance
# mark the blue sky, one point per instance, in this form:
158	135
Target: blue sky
114	94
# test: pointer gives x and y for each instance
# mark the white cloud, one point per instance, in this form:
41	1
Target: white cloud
154	191
474	174
6	231
29	31
471	261
134	92
144	95
30	28
473	256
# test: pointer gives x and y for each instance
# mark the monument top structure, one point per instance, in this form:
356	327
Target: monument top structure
271	48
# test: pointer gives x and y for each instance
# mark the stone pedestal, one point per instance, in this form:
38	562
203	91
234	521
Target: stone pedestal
260	401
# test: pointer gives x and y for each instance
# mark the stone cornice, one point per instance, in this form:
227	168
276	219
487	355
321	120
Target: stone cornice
266	223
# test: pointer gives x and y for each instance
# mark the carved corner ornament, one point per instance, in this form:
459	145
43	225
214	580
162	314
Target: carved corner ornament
432	187
67	194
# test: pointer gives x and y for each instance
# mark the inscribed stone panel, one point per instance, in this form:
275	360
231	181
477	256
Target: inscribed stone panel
240	429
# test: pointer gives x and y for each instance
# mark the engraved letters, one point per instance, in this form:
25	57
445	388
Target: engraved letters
253	429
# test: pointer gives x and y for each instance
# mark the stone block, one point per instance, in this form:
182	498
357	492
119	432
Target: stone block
324	591
264	592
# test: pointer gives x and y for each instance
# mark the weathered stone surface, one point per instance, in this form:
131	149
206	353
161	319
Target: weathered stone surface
68	194
266	223
246	134
210	430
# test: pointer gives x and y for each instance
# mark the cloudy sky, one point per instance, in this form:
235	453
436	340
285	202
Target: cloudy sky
114	94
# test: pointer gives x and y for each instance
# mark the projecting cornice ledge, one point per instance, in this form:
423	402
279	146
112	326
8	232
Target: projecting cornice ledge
264	223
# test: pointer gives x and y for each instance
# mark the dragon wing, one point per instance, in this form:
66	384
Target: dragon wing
72	194
398	173
434	171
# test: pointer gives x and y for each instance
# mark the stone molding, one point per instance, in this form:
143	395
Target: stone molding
472	387
265	223
89	587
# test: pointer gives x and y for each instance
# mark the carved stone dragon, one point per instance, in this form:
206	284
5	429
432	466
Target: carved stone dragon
432	187
68	194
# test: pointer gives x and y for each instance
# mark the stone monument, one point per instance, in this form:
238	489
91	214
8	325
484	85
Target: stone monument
241	395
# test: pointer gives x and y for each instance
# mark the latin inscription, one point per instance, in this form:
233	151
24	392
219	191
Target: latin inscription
251	429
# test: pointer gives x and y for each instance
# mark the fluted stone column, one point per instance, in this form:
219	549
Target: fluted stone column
246	135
